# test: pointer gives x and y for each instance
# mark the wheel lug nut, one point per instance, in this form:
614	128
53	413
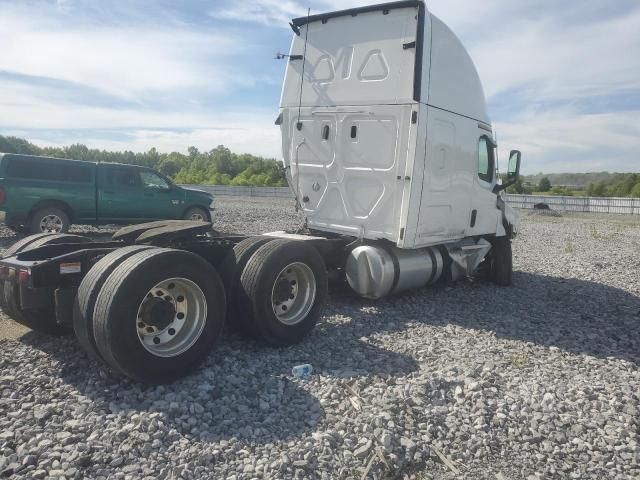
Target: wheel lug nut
292	296
159	293
156	340
140	324
284	308
150	329
180	316
171	331
180	298
168	298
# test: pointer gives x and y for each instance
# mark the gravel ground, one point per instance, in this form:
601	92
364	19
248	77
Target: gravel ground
539	380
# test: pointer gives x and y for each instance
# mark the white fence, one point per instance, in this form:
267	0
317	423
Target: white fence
244	191
629	206
621	205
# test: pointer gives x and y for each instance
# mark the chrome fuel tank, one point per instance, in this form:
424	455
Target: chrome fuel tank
375	271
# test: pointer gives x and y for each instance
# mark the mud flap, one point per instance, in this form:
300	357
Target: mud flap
64	298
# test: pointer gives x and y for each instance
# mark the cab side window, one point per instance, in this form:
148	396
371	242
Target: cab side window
486	159
153	180
126	177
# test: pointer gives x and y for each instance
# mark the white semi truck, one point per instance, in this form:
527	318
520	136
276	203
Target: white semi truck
389	152
386	138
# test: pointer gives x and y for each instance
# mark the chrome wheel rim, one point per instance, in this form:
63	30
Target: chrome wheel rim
197	217
51	224
293	293
171	317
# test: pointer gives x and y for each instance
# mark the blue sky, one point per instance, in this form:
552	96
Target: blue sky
562	78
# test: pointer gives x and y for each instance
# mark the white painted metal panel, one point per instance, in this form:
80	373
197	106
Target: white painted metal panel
354	60
449	166
454	84
353	182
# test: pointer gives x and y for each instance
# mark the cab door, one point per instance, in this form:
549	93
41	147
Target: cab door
484	213
133	194
162	200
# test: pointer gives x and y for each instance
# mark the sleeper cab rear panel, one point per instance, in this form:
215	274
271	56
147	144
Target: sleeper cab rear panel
350	167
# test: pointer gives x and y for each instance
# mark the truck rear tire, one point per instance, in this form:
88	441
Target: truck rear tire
159	314
37	319
90	286
23	243
501	261
284	286
49	220
230	272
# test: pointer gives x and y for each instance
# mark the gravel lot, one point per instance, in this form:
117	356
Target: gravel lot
539	380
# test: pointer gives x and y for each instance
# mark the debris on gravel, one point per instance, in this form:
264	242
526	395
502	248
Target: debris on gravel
544	213
540	380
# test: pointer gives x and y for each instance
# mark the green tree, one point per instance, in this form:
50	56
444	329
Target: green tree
597	189
544	185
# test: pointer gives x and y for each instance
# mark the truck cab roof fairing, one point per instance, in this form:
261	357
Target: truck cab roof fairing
454	84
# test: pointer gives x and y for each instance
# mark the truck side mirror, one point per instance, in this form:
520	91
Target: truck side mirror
513	169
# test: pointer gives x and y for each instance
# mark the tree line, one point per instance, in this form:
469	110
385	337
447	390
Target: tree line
609	185
219	166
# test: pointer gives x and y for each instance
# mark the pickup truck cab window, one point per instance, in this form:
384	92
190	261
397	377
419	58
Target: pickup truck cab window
153	180
486	159
124	177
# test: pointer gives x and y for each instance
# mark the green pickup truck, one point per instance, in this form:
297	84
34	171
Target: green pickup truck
44	194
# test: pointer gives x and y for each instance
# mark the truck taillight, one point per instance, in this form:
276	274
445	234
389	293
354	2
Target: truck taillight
23	276
3	195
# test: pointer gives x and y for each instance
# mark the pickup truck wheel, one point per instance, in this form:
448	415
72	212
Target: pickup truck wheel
37	319
159	314
88	293
196	214
50	219
230	272
501	261
285	289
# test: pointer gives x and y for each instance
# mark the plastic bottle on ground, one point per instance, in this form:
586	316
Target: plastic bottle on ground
302	371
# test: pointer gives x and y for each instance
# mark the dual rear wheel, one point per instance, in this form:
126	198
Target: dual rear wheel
153	314
276	289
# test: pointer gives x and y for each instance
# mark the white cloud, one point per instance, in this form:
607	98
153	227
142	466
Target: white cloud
125	61
253	134
268	12
257	136
562	140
